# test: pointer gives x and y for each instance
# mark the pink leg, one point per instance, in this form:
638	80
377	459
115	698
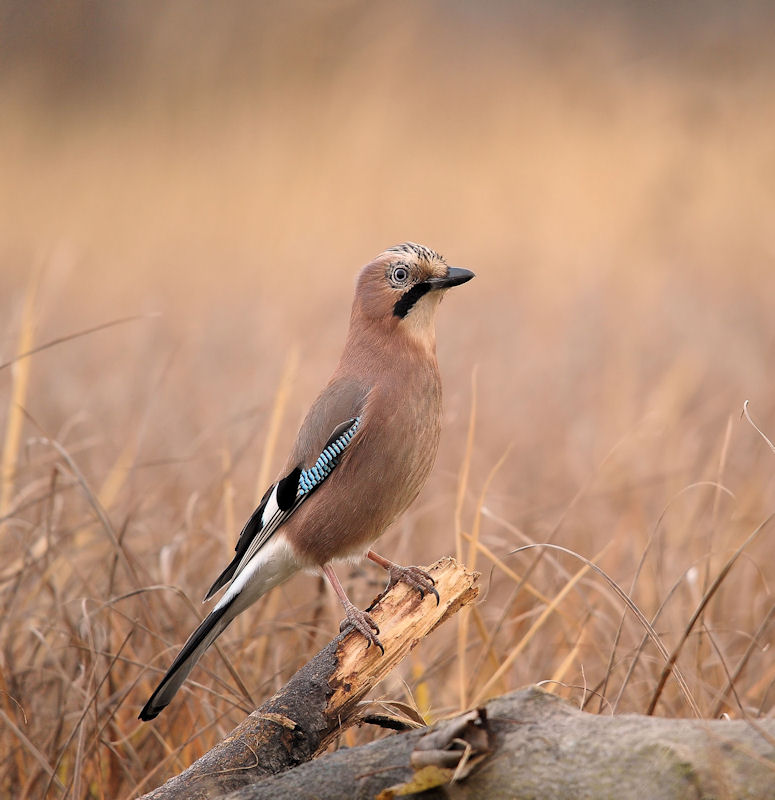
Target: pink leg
416	578
354	617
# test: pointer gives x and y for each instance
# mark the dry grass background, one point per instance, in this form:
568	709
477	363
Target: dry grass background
221	172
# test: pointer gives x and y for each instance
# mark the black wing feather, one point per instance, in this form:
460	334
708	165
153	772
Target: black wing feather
288	500
287	488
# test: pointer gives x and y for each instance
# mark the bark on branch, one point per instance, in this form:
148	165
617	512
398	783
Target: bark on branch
320	699
531	744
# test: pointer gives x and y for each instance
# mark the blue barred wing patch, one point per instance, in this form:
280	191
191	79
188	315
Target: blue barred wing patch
311	478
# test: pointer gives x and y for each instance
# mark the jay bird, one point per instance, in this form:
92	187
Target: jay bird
361	457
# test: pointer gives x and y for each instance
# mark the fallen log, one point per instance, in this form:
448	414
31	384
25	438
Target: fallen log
531	744
321	699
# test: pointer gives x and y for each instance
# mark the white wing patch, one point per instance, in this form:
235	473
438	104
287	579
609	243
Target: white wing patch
270	509
273	565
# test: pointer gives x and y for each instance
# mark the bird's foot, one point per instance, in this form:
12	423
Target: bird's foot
415	577
364	624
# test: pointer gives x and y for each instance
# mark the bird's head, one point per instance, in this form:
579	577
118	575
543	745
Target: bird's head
402	288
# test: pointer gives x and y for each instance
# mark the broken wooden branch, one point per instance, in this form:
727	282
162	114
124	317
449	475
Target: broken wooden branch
319	701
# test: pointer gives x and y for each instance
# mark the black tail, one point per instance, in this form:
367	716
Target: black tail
212	626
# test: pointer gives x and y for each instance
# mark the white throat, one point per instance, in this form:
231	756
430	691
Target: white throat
420	323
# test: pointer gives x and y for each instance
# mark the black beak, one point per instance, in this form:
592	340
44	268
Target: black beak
454	277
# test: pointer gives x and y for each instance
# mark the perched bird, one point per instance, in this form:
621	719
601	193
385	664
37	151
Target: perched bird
362	455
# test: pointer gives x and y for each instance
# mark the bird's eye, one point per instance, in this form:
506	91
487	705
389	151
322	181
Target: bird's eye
400	275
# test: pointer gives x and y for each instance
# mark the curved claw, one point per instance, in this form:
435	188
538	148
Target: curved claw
364	624
378	643
416	578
